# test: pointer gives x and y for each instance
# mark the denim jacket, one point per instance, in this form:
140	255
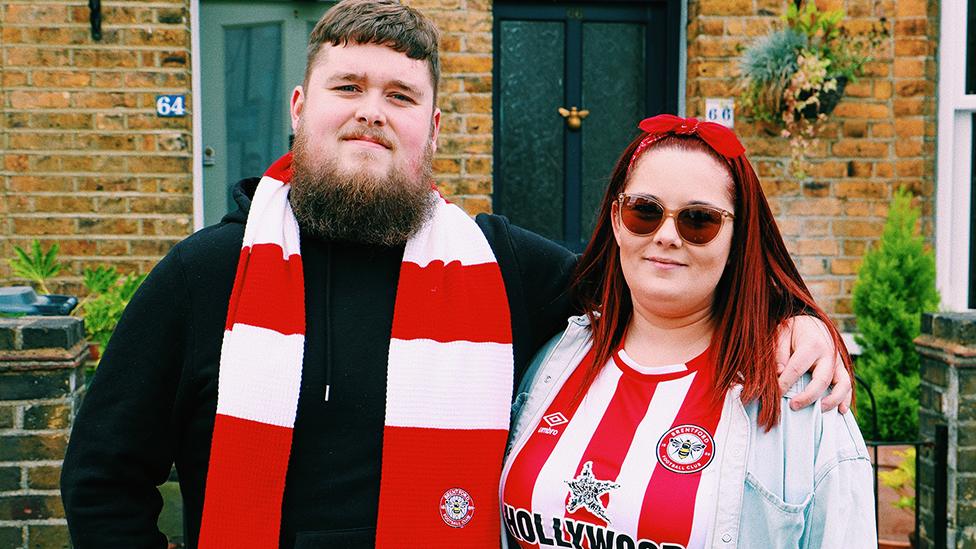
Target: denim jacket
807	483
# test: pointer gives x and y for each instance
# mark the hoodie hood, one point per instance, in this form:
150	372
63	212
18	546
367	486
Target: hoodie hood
242	192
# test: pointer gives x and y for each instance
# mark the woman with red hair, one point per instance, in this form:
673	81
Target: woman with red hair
656	420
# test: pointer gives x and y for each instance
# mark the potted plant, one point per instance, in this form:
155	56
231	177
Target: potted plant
793	77
108	291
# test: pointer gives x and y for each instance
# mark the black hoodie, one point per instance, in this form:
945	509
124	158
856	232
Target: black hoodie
153	399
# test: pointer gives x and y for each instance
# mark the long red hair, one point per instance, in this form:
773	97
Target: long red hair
759	289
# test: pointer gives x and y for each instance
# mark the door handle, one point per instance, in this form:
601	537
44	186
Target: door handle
574	117
208	156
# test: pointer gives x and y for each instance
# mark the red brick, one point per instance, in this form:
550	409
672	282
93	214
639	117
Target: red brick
29	226
860	189
35	57
477	84
725	7
33	14
855	248
158	164
79	163
855	128
464	21
912	27
14	78
860	148
865	208
816	246
909	68
857	228
156	36
861	88
910	47
43	141
909	106
61	79
852	109
107	225
882	89
478	42
811	266
882	129
478	124
51	120
910	8
107	183
39	100
466	63
908	147
884	170
102	79
112	248
63	204
910	168
480	103
817	206
467	145
447	166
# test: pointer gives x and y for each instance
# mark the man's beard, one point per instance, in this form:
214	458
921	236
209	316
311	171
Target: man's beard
358	206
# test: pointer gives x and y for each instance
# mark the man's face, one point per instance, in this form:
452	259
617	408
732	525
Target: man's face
368	110
365	134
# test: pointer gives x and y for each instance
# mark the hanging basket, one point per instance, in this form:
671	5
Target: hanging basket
828	101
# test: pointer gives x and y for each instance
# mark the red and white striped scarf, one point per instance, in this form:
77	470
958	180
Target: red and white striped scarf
449	384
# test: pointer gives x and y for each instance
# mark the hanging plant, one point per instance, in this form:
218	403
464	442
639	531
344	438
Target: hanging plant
794	76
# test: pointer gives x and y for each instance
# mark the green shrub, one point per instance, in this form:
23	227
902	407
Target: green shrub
895	285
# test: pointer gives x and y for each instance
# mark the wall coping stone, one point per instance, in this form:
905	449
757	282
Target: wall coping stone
42	343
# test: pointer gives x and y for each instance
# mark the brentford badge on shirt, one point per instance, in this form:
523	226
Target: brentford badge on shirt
457	507
685	449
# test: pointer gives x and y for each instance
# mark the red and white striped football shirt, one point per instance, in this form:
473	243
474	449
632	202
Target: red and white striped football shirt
632	465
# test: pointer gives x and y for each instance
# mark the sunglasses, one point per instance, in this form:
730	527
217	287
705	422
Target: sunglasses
696	224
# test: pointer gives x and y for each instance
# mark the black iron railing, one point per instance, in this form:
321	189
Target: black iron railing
940	456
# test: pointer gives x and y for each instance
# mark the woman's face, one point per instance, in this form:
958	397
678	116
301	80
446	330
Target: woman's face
667	276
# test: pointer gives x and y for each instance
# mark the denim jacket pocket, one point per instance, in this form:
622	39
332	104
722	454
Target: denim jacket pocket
767	520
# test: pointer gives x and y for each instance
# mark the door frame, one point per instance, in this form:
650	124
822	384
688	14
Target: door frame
671	92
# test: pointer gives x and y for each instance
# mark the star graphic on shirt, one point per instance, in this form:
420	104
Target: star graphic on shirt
585	491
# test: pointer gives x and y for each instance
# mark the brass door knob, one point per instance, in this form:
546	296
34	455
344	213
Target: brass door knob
574	117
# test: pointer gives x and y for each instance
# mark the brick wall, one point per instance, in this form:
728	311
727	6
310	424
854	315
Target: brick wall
947	348
41	382
86	162
463	161
880	137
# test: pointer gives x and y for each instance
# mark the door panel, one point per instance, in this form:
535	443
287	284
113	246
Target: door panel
618	60
254	57
531	66
613	92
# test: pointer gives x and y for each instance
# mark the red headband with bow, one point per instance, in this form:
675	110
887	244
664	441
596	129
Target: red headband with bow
721	139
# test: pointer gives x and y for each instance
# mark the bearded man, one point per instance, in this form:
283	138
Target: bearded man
331	365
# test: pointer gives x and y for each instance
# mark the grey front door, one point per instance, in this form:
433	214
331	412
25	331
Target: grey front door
252	56
617	60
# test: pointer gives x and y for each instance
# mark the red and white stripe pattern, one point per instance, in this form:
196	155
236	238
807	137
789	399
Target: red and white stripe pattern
448	389
617	428
260	375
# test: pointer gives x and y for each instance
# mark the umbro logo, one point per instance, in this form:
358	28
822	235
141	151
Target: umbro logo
555	419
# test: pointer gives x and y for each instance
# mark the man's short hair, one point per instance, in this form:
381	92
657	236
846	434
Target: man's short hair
384	22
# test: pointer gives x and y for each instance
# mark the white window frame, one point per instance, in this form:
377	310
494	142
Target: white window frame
953	161
197	105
